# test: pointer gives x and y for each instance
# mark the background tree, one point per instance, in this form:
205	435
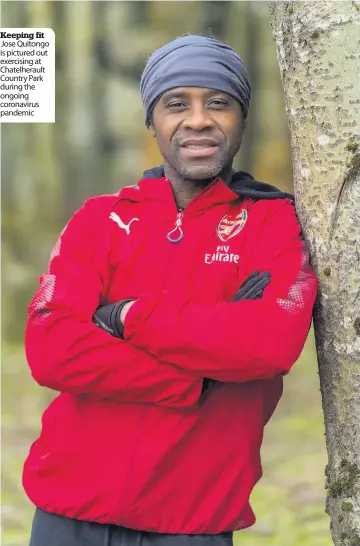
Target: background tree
318	45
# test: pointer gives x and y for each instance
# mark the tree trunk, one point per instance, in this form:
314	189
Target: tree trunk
318	46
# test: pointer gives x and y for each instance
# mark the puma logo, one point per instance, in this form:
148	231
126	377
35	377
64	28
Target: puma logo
120	223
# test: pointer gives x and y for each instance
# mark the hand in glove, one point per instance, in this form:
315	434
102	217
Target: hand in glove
107	317
253	287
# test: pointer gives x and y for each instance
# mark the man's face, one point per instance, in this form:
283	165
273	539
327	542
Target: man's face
198	131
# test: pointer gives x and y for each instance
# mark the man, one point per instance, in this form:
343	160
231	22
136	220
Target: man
167	319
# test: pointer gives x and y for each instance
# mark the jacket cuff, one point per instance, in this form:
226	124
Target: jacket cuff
138	314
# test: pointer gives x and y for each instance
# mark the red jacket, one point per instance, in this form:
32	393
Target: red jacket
131	439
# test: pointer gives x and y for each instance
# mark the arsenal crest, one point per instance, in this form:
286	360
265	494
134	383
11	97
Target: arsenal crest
230	225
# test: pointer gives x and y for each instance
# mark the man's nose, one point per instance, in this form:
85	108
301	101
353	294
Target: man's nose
198	118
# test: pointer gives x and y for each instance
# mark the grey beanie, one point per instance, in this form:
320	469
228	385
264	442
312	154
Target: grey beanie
194	61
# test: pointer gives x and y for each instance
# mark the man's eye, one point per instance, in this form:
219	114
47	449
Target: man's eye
176	105
218	103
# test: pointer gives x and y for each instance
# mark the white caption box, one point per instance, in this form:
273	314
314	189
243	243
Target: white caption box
27	75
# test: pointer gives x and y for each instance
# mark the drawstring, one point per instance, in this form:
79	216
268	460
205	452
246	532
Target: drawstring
177	229
107	536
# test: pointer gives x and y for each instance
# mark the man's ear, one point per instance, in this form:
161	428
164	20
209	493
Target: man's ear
152	130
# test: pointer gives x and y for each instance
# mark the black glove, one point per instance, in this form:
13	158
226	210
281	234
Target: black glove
251	289
107	317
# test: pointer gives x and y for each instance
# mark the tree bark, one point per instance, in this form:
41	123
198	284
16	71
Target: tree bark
318	46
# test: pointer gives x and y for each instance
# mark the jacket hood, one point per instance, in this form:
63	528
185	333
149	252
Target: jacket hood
242	183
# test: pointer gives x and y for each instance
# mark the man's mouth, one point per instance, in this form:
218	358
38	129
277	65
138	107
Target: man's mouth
199	147
198	142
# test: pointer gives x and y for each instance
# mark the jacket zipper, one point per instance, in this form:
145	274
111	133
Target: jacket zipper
175	235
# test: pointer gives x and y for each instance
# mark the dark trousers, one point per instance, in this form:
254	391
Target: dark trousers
52	530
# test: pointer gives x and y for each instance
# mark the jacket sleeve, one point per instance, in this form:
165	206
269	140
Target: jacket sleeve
238	341
68	353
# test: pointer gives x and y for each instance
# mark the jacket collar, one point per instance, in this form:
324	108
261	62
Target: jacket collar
155	186
242	184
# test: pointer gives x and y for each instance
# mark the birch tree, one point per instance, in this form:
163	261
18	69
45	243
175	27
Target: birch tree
318	45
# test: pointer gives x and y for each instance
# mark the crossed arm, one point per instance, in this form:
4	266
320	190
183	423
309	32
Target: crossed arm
242	341
68	353
169	346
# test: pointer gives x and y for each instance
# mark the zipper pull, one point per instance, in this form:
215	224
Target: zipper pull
177	228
